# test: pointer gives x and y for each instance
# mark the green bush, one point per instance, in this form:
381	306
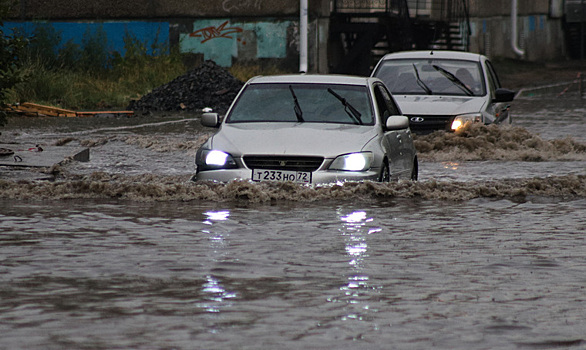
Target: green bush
94	51
87	76
11	48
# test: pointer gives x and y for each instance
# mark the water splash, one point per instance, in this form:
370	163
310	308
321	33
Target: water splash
496	142
146	188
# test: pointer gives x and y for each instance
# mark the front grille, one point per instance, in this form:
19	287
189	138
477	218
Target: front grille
430	123
298	163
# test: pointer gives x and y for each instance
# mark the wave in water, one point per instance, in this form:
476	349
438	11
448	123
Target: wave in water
101	185
154	143
474	142
496	142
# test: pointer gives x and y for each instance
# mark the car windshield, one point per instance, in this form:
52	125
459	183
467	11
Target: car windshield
432	77
301	102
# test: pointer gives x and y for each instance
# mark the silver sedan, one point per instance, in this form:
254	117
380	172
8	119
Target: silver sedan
443	90
310	129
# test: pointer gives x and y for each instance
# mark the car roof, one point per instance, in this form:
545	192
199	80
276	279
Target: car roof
441	54
314	79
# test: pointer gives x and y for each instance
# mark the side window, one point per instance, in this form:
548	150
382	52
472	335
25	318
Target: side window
382	106
385	97
493	80
493	74
390	102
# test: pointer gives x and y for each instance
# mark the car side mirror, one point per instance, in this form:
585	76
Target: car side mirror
397	122
211	120
503	95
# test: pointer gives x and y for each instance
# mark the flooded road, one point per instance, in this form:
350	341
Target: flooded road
486	251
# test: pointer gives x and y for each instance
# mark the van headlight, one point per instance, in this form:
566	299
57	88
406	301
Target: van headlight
462	119
353	162
209	159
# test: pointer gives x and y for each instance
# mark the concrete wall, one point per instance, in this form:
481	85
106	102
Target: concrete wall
541	37
226	31
491	8
153	34
224	40
267	31
540	29
161	9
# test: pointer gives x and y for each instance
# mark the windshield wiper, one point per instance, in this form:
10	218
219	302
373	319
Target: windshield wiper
353	113
451	77
421	83
297	108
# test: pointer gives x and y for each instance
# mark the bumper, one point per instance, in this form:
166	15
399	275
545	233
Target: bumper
317	177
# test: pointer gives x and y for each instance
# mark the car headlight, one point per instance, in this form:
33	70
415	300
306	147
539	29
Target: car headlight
462	119
208	159
353	162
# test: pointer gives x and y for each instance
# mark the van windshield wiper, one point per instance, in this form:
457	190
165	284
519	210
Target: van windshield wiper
451	77
353	113
421	83
297	108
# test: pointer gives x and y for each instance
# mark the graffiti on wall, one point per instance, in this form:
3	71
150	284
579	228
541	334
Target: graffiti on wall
236	5
213	32
242	40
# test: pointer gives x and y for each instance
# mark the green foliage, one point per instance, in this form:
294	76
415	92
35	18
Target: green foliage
69	55
41	48
137	52
11	48
45	50
94	53
87	76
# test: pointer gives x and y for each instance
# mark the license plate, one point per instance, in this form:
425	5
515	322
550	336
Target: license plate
281	175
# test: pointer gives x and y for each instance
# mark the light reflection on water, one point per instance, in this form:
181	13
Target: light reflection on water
353	230
339	273
451	165
93	274
221	215
217	295
215	291
356	227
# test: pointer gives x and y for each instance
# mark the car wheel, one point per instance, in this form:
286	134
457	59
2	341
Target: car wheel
385	174
415	170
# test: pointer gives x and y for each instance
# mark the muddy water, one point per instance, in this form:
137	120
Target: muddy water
485	252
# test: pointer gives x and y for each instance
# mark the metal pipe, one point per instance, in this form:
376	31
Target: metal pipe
582	30
514	30
303	36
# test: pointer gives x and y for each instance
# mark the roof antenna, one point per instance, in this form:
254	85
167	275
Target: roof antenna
434	39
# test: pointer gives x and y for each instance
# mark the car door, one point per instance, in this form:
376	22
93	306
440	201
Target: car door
499	110
395	142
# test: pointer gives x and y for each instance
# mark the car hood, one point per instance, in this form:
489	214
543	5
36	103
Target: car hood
328	140
439	105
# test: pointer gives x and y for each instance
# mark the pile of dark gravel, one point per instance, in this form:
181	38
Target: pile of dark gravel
208	85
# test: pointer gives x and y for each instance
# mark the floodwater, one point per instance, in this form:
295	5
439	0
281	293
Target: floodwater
486	251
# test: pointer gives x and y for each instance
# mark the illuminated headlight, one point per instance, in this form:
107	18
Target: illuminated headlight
207	159
353	162
462	119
